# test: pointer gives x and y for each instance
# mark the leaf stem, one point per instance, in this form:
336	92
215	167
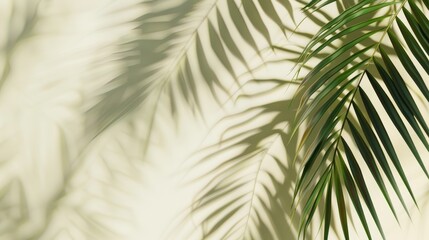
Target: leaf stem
376	49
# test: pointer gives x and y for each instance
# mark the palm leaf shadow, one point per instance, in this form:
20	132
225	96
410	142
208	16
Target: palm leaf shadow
169	64
250	183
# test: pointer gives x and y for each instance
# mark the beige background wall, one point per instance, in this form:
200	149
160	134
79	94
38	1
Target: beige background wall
53	185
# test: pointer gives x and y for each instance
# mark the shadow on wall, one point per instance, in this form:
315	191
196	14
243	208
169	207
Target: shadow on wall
250	174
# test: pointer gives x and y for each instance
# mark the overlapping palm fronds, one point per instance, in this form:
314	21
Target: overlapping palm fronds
344	126
182	56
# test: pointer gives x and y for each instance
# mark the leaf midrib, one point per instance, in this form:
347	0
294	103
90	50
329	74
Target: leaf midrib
165	80
370	60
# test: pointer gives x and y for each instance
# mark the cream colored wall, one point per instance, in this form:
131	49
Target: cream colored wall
57	186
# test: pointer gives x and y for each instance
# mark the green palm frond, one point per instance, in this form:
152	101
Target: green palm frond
344	127
309	120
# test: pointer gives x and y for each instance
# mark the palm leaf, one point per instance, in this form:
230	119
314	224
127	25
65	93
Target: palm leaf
342	132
